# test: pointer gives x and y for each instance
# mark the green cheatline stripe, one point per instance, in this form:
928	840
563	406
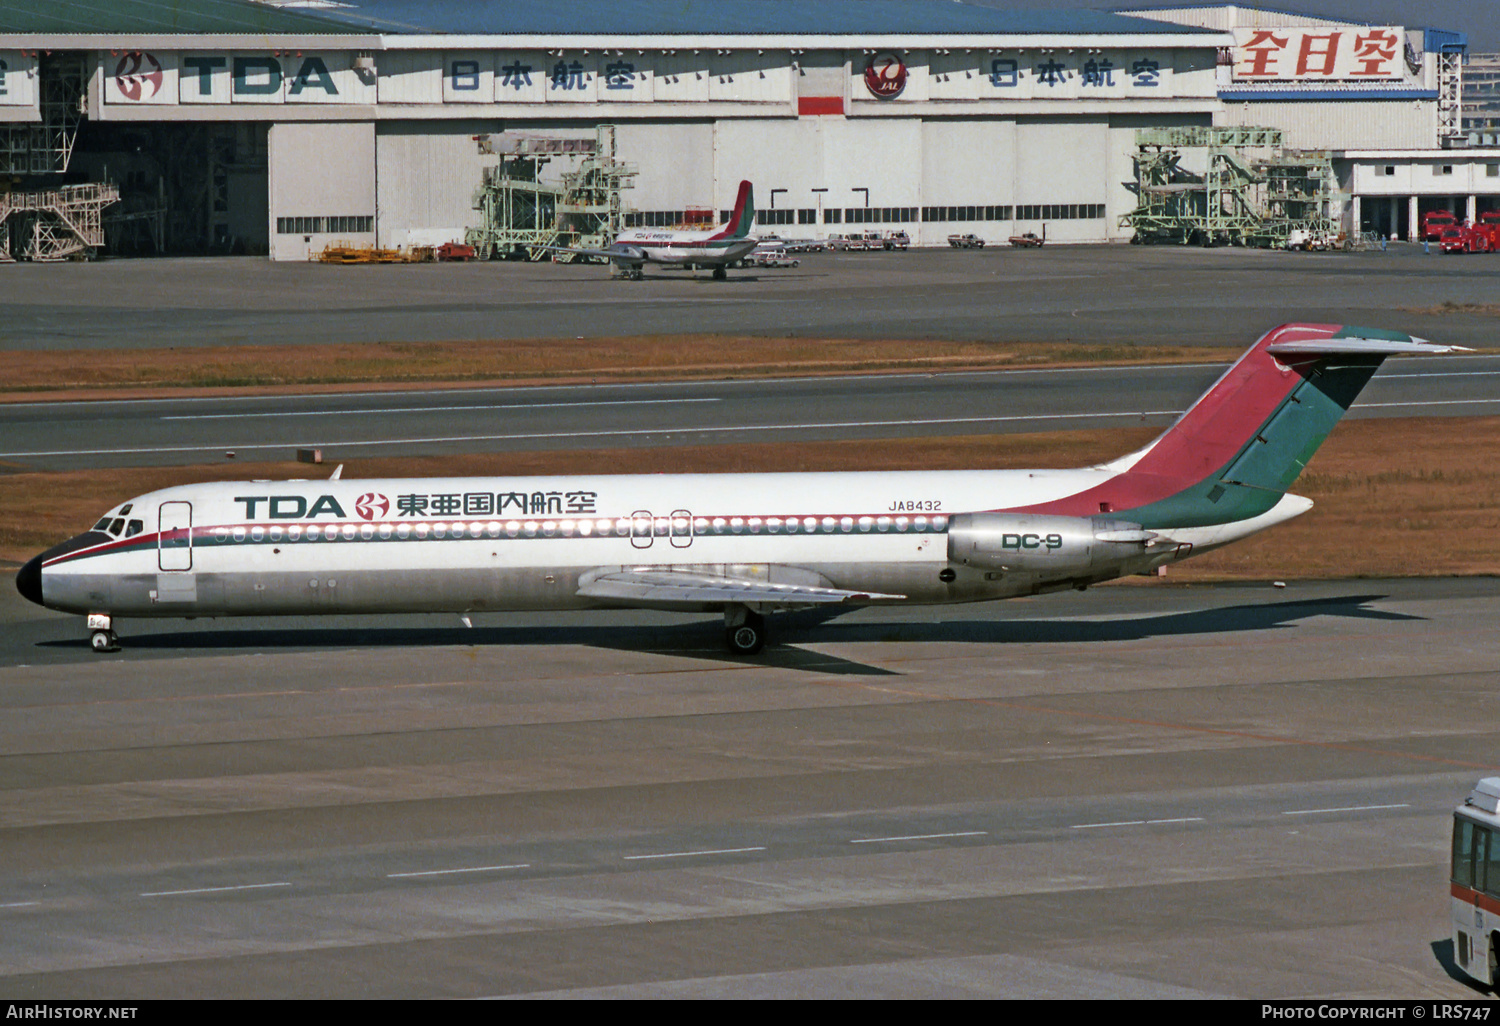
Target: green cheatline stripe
1261	472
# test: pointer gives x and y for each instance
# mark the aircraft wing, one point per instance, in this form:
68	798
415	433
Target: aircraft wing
621	254
678	587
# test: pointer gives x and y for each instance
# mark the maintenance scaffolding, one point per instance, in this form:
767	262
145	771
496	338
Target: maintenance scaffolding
65	223
1244	190
521	215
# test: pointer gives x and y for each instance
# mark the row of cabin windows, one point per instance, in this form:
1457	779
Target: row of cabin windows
675	526
324	225
1476	856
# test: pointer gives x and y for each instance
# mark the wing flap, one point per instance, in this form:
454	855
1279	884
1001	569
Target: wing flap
660	587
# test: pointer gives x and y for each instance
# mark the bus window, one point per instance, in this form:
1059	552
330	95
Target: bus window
1487	862
1464	832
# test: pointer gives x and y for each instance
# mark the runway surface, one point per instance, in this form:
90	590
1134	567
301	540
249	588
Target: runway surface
1139	791
71	435
1111	294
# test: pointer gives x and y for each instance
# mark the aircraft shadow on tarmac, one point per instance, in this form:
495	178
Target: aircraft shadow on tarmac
813	628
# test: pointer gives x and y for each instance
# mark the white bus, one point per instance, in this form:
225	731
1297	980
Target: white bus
1475	886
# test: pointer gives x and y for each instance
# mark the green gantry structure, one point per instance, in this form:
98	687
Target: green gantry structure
1244	188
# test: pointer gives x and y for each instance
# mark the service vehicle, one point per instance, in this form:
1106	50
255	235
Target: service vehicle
897	240
1474	883
1434	222
967	241
1027	240
1465	238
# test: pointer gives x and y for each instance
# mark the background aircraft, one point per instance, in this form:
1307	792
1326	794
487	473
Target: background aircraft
742	544
717	248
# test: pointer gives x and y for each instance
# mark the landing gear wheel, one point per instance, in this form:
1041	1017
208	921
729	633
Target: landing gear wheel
720	273
105	641
747	638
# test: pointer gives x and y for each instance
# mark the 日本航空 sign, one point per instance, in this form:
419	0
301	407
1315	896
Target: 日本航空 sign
1326	54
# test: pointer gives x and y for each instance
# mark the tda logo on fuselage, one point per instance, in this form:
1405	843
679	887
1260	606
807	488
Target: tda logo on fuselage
290	507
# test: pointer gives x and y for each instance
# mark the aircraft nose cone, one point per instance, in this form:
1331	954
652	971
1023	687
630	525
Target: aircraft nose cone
29	580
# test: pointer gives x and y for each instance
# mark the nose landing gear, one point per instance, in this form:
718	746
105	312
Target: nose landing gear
102	636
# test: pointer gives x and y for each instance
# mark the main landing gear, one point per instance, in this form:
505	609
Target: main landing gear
720	273
744	630
102	636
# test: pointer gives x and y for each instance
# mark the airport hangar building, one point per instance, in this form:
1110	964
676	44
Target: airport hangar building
282	127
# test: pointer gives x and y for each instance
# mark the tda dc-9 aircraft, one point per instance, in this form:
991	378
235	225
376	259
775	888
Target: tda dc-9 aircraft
741	544
717	248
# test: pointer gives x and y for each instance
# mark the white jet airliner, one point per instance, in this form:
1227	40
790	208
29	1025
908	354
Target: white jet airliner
717	248
743	544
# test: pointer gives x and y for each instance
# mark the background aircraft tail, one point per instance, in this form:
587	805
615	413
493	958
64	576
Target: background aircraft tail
742	218
1236	451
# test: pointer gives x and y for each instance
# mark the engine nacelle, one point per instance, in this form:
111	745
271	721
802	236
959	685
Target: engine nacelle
1042	544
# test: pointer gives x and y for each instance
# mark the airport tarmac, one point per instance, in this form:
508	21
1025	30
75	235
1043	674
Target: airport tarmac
1101	294
1144	790
167	432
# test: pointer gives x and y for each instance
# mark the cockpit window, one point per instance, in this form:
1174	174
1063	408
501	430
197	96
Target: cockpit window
126	508
117	526
134	527
102	525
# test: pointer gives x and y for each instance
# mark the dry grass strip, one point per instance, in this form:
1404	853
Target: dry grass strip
1397	497
231	370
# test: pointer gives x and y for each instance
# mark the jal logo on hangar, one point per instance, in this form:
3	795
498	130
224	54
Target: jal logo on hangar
885	76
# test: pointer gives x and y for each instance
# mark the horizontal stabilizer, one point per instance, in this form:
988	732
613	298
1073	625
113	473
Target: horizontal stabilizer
1361	347
660	587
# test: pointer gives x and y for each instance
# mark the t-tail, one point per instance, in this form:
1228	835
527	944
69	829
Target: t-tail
1236	451
742	218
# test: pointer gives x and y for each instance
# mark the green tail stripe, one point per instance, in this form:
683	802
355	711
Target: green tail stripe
1262	471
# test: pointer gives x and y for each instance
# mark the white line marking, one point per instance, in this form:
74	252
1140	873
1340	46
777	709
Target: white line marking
921	837
1346	808
1433	402
20	904
473	869
244	447
374	410
752	383
1438	374
685	854
213	890
1136	822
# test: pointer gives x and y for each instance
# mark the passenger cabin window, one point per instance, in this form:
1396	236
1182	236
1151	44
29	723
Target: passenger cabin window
1476	857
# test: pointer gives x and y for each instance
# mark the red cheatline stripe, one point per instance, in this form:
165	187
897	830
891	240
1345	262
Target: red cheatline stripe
1473	897
117	545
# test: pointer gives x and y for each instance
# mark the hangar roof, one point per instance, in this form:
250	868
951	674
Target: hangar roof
580	17
188	17
729	17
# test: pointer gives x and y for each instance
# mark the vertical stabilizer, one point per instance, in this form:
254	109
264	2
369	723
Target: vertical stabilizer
742	218
1236	451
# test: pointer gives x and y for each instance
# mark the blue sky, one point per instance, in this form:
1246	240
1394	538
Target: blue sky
1480	19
